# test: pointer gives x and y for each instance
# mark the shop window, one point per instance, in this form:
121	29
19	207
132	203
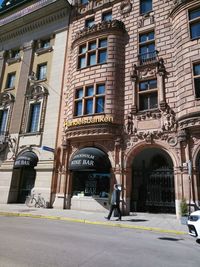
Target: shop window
34	117
89	22
194	20
11	80
107	16
147	52
95	184
90	100
3	120
196	72
42	71
92	53
148	95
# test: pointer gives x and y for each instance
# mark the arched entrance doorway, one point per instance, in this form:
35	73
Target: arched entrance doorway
23	178
153	182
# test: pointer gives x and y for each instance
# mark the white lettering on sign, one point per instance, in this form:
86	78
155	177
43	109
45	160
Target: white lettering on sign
76	162
88	162
89	156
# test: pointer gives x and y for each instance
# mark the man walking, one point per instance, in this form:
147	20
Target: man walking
114	205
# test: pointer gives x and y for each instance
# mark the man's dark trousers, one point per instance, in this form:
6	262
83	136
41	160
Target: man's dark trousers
112	207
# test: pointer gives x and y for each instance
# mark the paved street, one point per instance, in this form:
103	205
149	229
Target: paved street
40	242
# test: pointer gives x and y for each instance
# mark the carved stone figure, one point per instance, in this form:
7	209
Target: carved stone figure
169	121
130	124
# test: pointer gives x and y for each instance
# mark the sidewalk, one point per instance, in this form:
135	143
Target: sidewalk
166	223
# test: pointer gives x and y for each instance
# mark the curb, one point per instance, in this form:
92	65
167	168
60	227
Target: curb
37	216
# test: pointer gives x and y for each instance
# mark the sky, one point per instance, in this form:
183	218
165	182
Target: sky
1	1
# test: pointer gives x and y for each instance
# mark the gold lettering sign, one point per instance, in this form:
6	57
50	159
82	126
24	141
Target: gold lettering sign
89	120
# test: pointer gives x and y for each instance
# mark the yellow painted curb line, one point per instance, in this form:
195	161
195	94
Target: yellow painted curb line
14	214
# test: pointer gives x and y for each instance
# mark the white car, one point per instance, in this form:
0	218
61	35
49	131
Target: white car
194	224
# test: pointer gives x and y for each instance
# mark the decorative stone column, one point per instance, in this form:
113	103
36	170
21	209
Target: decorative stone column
22	85
2	62
134	77
161	84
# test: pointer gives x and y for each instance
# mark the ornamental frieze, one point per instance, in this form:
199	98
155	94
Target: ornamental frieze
189	123
93	5
103	26
152	125
93	130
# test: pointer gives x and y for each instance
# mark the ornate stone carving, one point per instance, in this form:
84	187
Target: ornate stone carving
129	124
182	135
161	67
103	26
152	125
6	99
36	92
194	121
93	130
168	120
146	73
147	19
12	145
125	7
93	5
134	73
178	2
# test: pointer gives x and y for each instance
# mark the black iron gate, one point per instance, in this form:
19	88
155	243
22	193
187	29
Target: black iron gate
153	190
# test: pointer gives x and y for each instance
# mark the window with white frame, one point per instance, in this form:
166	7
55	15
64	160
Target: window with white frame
41	71
3	120
148	94
89	100
34	110
194	21
196	74
92	53
34	117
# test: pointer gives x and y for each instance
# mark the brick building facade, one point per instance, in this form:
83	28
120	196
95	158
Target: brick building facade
131	108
